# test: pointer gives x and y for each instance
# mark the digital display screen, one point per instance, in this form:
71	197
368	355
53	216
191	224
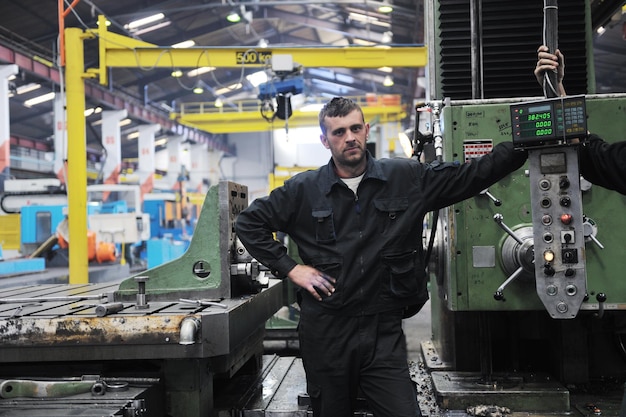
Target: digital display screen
540	123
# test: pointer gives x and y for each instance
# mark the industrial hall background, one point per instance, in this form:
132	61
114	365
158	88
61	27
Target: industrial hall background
134	133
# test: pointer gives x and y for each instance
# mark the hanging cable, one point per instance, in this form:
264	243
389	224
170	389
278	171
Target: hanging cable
550	39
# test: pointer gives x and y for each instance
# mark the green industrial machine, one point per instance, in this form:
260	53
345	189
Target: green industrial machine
490	316
482	255
528	304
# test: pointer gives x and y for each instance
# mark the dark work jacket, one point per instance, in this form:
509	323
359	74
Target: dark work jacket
603	163
370	243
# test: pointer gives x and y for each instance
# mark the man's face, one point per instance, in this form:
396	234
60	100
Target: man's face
346	138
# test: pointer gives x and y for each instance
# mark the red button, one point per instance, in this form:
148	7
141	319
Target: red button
566	218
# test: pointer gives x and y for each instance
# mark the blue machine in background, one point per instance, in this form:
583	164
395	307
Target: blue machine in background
38	224
164	233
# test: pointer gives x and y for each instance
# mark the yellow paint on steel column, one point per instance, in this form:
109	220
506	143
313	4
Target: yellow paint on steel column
76	157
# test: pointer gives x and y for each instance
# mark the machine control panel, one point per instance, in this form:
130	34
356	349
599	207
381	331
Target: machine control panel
550	121
558	232
548	129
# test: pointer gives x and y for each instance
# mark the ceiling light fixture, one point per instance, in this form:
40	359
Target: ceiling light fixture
363	42
198	89
219	103
388	81
39	99
184	44
93	110
151	28
145	21
385	7
177	73
198	71
228	89
27	88
263	43
233	17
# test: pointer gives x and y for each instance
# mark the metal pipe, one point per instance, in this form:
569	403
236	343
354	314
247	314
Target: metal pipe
188	330
550	39
476	59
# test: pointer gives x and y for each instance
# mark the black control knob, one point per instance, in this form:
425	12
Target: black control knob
601	297
570	256
565	201
498	296
564	183
569	272
548	270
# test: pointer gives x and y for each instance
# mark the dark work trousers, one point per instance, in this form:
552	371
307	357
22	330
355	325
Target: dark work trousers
342	354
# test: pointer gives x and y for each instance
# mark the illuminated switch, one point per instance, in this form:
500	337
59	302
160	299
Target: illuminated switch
566	218
548	256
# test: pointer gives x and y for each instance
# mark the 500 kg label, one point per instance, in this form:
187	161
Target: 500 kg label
252	57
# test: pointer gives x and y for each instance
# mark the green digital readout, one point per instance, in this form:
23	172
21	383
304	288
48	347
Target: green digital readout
538	116
539	123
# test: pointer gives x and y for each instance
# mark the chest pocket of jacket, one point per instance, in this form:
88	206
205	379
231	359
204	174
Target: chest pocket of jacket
390	212
324	226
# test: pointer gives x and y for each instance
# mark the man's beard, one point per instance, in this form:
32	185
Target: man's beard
352	161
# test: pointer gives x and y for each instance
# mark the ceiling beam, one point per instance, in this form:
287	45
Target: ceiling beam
117	51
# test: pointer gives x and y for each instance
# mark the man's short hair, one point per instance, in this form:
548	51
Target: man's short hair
338	107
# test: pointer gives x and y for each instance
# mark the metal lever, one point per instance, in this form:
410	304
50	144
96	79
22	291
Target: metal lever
589	231
601	297
498	219
499	294
203	303
496	201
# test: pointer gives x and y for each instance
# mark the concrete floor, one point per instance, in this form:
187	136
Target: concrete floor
417	330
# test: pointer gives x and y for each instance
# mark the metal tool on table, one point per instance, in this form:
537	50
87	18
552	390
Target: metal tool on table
54	388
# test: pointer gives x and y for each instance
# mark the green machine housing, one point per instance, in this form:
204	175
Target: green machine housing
474	256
